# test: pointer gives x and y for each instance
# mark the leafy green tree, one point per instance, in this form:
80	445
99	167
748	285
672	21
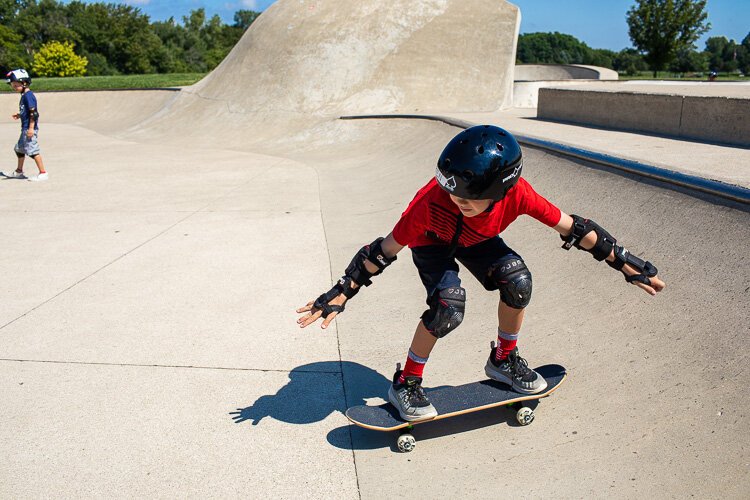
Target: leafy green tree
117	38
688	61
119	33
172	36
244	18
59	59
558	48
629	61
661	28
725	55
744	57
603	58
551	48
12	54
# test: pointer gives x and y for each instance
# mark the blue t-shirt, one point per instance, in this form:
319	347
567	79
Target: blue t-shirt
28	102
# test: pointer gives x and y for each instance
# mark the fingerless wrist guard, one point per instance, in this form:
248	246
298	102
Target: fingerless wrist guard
604	246
356	273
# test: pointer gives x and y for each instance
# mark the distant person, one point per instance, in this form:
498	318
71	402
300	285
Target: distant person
28	112
712	76
458	215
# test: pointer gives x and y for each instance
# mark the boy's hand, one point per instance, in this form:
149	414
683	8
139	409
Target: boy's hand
30	133
657	285
313	313
15	116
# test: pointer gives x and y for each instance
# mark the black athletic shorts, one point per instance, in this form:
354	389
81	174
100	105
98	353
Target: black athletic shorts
438	268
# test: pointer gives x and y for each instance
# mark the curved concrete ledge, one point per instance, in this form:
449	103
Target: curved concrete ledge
722	190
542	72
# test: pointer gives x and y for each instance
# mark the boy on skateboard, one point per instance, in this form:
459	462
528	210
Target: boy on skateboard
27	145
458	216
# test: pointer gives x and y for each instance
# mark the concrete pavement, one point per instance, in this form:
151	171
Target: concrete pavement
148	343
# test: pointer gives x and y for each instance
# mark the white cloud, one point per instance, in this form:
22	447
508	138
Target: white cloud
138	2
250	4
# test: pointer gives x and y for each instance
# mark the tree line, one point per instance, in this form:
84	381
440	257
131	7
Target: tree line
117	38
720	54
663	33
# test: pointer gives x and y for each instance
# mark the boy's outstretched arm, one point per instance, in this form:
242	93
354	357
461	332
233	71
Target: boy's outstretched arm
368	262
586	234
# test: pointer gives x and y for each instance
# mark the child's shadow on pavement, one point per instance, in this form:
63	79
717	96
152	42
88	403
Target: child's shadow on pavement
314	392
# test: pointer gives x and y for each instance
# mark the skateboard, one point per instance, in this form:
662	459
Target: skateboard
458	400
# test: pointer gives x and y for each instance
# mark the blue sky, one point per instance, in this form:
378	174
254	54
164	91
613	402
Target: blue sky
599	23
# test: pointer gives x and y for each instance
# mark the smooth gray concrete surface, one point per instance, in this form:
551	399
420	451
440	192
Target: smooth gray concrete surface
701	112
95	431
148	344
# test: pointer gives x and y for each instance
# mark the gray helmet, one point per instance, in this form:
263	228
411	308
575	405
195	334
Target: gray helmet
480	163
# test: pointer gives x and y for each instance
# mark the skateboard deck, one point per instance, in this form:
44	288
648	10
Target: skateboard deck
458	400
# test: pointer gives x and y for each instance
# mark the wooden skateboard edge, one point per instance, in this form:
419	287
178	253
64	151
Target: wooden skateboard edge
526	397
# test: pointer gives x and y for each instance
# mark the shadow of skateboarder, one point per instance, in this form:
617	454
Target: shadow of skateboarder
314	391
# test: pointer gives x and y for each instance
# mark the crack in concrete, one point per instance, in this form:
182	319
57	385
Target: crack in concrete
146	365
338	338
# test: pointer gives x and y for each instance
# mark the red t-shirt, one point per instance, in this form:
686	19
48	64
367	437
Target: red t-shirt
430	218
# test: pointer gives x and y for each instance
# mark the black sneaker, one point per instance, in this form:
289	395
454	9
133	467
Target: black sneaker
409	398
514	371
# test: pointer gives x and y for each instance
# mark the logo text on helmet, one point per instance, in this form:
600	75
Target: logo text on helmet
514	173
449	183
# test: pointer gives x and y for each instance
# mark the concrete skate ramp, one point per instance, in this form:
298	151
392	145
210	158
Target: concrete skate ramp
325	57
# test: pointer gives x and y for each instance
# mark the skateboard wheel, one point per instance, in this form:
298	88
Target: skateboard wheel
406	443
525	415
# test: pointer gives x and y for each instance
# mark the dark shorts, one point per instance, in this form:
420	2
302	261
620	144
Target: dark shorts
438	268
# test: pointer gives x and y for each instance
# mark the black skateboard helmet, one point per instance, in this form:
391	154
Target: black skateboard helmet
480	163
18	75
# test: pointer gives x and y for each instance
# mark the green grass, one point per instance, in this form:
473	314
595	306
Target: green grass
113	82
697	77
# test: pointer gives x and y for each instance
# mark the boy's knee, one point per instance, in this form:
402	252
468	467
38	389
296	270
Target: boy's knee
446	311
511	276
19	155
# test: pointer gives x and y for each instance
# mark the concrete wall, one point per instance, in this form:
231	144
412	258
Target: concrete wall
705	118
720	119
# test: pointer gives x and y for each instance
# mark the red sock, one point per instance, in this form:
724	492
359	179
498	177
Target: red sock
506	342
414	367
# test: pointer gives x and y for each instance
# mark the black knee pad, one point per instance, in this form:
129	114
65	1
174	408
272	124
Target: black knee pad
513	279
446	311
